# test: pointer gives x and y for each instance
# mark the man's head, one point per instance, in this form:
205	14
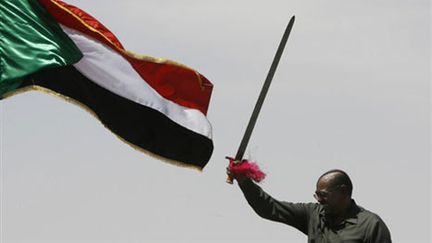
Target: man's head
333	191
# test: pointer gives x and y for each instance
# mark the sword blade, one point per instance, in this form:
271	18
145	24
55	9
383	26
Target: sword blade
245	140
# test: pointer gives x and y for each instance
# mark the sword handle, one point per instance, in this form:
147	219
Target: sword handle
230	180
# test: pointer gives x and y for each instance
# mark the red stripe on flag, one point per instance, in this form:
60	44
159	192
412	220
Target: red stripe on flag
171	80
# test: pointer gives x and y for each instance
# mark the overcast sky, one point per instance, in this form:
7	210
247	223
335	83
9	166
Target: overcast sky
352	91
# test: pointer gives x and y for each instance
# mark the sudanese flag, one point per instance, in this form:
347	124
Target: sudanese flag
156	105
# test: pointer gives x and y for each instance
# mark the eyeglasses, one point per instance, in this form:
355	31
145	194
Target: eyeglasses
319	195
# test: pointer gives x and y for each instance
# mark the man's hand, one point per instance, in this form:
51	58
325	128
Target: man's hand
237	177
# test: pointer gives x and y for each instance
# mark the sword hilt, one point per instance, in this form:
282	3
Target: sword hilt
230	179
241	170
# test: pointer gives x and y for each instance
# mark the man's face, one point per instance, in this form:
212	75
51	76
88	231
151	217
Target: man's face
329	195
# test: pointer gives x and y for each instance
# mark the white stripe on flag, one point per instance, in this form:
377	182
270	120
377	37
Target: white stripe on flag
110	70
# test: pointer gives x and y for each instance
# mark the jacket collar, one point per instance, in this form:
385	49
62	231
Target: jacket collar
351	216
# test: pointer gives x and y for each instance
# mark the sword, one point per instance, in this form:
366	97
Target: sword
245	140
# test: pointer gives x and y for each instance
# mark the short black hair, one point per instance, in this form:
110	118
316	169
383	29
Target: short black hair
340	178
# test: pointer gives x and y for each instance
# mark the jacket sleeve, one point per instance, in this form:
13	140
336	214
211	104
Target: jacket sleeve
293	214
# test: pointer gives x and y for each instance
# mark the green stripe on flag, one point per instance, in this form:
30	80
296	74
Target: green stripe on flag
30	40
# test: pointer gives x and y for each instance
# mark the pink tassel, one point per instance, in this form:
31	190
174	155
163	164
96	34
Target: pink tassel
246	168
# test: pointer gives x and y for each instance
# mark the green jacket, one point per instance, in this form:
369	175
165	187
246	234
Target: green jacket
360	225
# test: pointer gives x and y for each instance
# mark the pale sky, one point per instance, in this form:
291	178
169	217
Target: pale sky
352	91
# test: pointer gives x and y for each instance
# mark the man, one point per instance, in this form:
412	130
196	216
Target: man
335	218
